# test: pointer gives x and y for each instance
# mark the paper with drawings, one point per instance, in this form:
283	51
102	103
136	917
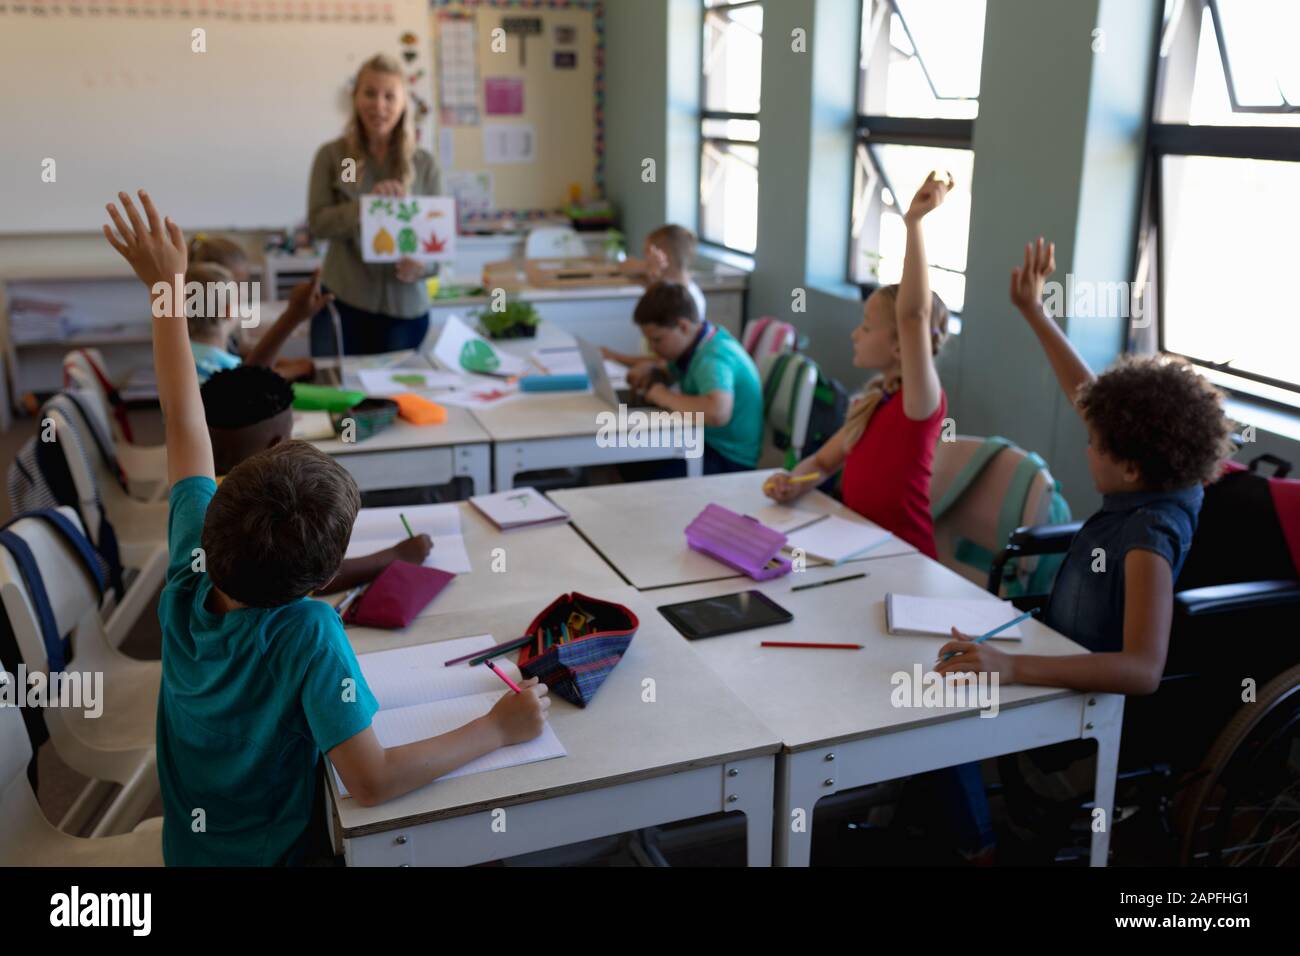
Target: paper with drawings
460	349
422	228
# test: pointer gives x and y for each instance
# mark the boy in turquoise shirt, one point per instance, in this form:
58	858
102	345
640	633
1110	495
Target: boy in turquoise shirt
715	374
257	680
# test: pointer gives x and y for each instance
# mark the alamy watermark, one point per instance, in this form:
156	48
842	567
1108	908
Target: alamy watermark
75	690
211	299
635	428
918	688
1087	299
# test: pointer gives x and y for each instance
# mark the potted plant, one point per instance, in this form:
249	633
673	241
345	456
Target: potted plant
517	321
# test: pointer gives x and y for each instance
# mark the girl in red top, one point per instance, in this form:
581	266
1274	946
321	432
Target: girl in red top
887	443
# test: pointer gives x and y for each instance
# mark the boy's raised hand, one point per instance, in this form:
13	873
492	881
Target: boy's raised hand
154	247
306	298
930	196
1027	279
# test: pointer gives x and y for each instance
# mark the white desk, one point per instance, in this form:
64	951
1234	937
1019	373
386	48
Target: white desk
537	566
542	430
693	750
409	456
832	709
640	527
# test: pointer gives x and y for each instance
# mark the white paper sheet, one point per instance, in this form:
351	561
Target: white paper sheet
518	507
457	341
834	539
395	381
379	528
422	228
509	143
406	676
925	616
784	518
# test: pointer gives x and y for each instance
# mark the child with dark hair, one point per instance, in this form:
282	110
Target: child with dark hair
1156	434
257	681
717	378
249	409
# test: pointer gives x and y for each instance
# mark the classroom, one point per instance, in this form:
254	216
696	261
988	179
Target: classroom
649	433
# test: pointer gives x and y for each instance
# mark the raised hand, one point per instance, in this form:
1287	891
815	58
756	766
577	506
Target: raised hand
1027	279
306	298
930	196
154	247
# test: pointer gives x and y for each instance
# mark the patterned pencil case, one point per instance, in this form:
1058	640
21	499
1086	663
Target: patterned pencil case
577	641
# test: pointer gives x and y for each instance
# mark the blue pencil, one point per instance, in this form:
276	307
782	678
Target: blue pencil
997	630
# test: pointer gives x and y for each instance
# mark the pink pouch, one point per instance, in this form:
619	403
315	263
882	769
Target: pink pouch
397	596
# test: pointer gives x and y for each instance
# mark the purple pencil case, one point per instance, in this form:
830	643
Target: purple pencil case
739	542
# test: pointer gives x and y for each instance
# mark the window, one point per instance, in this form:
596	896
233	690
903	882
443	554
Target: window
732	71
1224	194
918	96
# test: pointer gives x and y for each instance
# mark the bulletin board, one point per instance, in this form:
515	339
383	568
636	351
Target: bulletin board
518	104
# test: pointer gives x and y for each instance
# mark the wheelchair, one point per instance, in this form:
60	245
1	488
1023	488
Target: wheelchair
1211	760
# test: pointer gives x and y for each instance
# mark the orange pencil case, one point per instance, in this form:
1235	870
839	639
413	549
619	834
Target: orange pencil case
419	410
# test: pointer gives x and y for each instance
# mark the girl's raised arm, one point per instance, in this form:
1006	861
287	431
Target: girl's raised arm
921	389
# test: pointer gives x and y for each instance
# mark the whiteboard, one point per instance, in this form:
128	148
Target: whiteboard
222	139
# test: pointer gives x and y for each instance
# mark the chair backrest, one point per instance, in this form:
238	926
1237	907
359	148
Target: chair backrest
769	336
789	385
1012	489
72	594
84	370
554	242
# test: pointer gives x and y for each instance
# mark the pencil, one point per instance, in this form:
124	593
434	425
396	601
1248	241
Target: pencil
830	647
490	652
511	684
797	480
997	630
348	598
818	584
407	525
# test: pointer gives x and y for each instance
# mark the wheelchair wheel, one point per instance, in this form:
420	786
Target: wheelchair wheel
1244	808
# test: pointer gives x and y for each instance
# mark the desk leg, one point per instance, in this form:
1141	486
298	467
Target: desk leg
475	463
1103	716
747	787
801	780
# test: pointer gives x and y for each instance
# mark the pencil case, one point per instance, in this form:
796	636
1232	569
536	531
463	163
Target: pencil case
418	410
739	542
322	398
369	416
397	595
554	383
576	668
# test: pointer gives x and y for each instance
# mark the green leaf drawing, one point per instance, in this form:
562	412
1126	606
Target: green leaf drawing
477	356
407	241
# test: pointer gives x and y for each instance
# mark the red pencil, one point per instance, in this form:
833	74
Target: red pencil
833	647
513	686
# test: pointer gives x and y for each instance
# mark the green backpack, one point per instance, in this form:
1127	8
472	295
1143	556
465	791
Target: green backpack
1010	517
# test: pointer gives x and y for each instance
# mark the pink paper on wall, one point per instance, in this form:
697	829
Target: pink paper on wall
503	95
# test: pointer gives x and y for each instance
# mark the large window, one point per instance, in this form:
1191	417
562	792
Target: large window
1224	190
732	71
918	95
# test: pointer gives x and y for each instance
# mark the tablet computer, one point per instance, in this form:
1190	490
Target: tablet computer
725	614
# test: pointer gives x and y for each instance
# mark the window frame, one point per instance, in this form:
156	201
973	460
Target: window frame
873	129
706	115
1164	139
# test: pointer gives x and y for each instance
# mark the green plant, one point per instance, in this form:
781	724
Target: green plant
515	318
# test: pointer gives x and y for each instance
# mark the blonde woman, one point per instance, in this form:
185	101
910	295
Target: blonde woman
383	306
886	446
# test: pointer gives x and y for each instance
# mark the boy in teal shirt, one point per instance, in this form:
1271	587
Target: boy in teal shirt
715	374
257	680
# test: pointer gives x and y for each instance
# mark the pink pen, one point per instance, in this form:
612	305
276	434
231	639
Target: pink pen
513	686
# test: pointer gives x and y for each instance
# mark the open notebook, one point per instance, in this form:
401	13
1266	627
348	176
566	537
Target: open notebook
419	697
935	617
379	528
833	540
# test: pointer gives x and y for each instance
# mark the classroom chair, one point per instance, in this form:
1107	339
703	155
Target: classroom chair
789	386
29	838
145	466
768	336
118	745
139	527
554	242
981	490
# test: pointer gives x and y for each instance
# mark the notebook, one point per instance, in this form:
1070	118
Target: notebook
834	540
936	617
379	528
519	508
784	518
419	697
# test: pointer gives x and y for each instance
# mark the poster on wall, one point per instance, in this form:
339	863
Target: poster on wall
411	227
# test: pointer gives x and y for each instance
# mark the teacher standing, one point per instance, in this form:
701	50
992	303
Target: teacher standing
384	307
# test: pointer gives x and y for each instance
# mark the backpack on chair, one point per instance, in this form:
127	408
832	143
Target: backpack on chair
980	492
802	406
